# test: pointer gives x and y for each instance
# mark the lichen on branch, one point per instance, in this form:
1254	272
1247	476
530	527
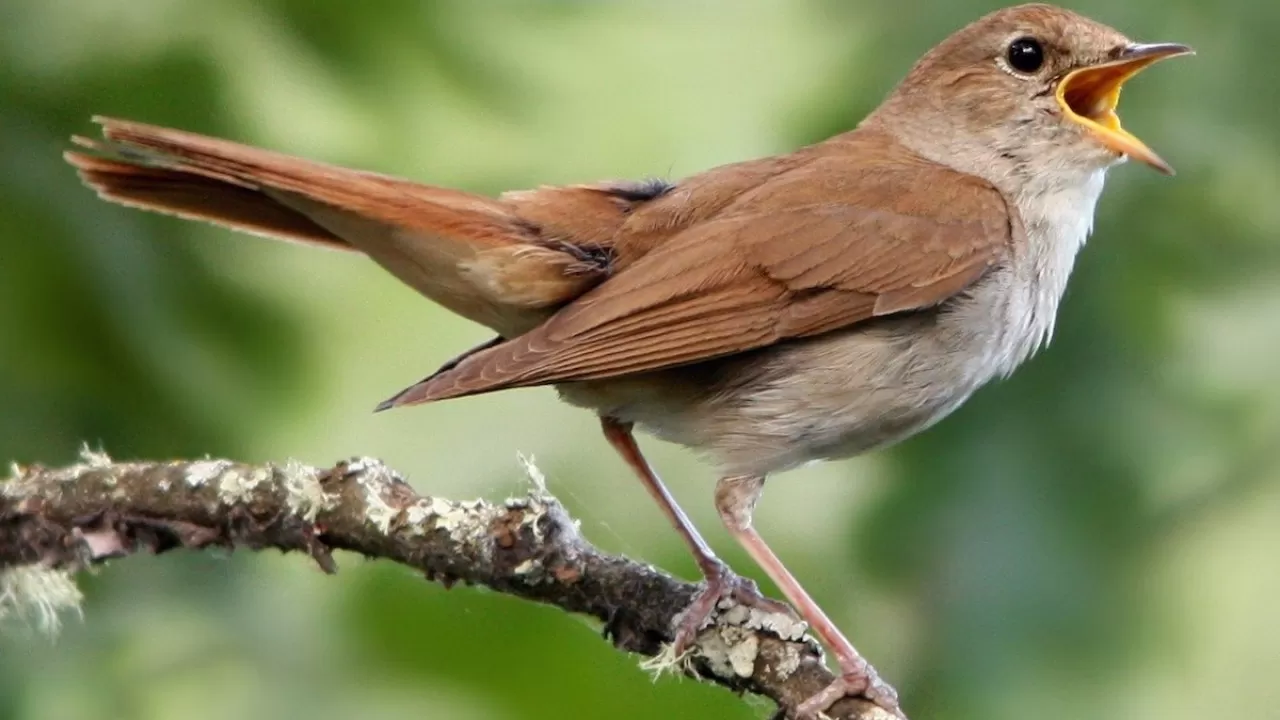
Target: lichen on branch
57	521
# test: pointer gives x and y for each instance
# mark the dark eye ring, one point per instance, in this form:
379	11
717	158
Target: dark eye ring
1026	55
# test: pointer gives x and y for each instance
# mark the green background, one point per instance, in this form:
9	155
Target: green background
1095	538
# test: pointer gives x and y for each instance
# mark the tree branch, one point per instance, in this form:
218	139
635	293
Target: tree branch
72	517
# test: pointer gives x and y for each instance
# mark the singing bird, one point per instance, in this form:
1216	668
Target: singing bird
806	306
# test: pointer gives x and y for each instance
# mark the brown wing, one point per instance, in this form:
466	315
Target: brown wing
836	241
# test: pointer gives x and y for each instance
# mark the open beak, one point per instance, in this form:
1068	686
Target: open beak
1089	96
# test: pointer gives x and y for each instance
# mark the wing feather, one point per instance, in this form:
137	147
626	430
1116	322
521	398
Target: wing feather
820	247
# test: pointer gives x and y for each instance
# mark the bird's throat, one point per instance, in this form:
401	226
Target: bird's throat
1058	218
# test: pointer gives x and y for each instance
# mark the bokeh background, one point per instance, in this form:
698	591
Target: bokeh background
1098	537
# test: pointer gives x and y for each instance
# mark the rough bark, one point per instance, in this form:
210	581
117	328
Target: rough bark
66	519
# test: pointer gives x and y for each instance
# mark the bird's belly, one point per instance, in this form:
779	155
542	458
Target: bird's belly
845	392
822	398
842	396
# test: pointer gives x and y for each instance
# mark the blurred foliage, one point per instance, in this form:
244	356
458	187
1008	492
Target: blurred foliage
1093	538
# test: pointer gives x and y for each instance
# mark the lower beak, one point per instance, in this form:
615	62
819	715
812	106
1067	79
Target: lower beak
1089	96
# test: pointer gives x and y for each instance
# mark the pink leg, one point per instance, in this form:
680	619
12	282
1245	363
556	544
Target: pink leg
720	581
736	499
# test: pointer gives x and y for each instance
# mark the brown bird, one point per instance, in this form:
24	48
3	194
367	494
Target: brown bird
807	306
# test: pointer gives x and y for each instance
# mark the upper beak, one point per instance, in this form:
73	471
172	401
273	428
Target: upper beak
1089	96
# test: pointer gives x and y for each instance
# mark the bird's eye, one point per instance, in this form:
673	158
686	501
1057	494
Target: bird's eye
1026	55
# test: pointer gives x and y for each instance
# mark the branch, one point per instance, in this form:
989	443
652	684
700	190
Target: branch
66	519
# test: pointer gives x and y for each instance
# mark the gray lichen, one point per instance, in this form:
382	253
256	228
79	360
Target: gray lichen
94	458
236	487
784	625
15	486
203	472
304	495
38	595
729	643
373	478
459	520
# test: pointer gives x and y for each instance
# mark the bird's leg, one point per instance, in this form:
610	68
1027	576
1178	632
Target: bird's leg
720	581
736	499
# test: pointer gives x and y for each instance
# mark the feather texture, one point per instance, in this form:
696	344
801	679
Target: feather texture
863	229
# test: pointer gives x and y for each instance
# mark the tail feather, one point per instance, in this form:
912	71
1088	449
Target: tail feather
479	257
378	197
508	263
196	197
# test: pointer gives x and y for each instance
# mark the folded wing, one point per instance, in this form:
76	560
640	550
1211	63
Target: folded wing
850	236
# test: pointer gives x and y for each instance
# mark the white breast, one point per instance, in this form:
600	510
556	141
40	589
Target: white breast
1058	219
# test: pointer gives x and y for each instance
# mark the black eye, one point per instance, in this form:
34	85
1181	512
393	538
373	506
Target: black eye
1026	55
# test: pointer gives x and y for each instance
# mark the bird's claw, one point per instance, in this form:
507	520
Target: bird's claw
862	681
720	583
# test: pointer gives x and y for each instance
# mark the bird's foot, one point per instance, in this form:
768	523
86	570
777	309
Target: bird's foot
720	583
857	679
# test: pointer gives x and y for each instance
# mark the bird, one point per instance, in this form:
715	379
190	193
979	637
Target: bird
806	306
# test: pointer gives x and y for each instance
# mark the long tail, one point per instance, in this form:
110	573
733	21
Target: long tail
506	263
